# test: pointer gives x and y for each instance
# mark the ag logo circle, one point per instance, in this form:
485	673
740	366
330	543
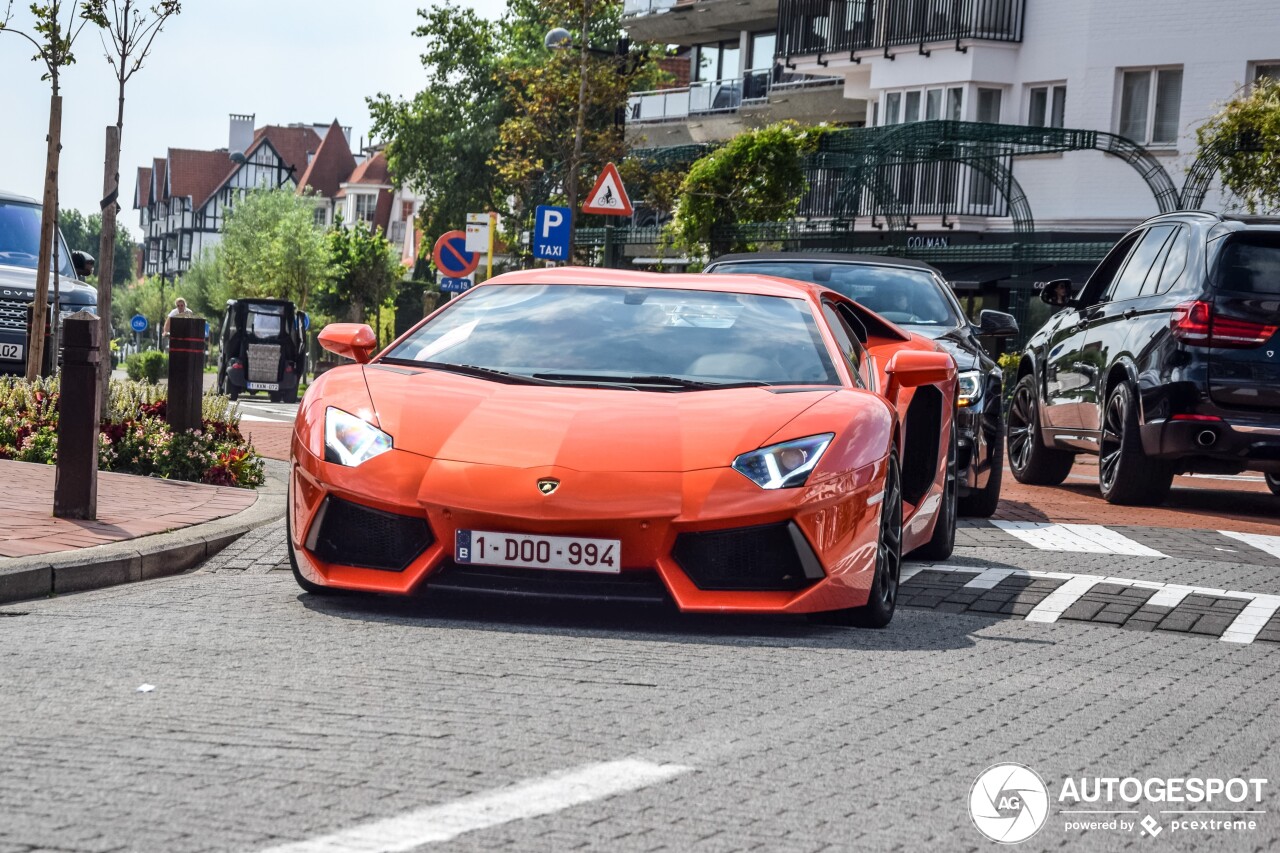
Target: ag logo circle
1009	803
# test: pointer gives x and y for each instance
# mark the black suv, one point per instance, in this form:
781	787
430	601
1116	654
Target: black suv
915	296
1166	362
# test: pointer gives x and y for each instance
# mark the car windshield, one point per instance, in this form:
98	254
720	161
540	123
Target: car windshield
647	338
1250	263
264	321
909	297
20	238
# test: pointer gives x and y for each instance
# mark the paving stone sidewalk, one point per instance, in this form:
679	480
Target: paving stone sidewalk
128	507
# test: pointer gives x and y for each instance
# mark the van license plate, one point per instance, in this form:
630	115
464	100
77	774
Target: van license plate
264	386
11	352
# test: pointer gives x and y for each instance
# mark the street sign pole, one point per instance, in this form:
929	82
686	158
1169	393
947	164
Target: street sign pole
493	226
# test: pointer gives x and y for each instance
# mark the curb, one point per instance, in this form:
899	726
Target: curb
142	558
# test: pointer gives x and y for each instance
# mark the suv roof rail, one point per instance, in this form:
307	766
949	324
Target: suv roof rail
1251	219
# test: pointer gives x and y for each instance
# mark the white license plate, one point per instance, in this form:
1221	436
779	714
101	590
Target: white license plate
264	386
563	553
11	352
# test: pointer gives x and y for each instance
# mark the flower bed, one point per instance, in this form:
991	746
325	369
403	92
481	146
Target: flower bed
134	436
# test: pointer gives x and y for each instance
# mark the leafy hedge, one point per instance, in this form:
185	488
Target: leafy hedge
147	366
134	436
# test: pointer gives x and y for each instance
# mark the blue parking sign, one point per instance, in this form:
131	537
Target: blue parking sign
138	323
552	227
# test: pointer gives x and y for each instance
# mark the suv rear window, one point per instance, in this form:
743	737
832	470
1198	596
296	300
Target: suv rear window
1250	263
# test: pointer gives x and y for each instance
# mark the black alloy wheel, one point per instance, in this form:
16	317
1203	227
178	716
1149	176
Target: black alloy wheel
883	599
1273	483
982	503
1033	463
1126	475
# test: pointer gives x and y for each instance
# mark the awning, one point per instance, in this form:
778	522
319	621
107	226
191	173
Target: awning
972	276
1078	273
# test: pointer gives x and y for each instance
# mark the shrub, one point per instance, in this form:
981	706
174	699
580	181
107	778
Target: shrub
147	366
134	437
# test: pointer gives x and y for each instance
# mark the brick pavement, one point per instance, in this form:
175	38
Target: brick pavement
279	716
128	507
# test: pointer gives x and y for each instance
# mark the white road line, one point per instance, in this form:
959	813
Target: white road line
245	417
1244	629
1252	619
1269	544
989	578
1077	538
1056	602
531	798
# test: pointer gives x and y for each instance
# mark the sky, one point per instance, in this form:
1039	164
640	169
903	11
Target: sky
283	61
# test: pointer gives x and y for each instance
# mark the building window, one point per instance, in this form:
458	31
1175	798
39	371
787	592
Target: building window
1048	106
717	61
320	217
893	108
1266	70
1150	103
366	207
989	105
911	110
955	98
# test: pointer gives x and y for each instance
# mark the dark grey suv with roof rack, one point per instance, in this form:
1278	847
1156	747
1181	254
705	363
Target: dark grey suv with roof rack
1166	362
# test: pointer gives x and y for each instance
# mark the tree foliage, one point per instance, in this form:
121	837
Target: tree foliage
1246	134
271	247
758	176
365	270
84	233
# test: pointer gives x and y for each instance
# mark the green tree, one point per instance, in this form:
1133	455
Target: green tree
758	176
84	233
1245	133
148	297
271	247
441	141
205	288
365	272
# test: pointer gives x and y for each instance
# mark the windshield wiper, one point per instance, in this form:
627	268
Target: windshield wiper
669	381
471	370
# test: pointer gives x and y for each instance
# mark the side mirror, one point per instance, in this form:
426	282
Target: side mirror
913	368
349	340
997	324
83	263
1058	293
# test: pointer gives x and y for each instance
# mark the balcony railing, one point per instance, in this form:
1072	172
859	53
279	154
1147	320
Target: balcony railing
820	27
635	8
717	96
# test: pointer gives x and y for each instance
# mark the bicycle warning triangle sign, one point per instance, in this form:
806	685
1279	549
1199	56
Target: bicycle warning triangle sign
609	195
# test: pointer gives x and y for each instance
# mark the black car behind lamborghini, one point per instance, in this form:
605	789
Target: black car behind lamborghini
915	296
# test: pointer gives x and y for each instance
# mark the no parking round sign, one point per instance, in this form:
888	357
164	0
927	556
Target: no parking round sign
451	255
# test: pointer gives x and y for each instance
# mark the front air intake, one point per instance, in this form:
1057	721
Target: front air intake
349	534
768	557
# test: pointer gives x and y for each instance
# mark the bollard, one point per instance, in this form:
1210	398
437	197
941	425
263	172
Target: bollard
75	489
186	372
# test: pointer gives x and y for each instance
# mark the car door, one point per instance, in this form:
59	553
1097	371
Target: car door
1111	321
1067	374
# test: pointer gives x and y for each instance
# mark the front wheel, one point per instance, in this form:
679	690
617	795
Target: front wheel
878	611
1273	483
307	586
983	502
1126	475
1033	463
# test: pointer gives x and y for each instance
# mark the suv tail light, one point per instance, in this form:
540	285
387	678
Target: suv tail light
1195	324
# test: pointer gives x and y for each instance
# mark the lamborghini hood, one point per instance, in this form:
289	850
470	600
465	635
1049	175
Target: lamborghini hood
463	419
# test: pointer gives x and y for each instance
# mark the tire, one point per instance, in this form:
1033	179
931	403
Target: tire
1126	475
878	611
1032	462
307	586
233	394
290	396
984	502
943	541
1273	483
274	396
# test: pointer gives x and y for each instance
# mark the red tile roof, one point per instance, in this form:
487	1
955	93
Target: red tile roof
330	166
291	143
142	192
198	174
371	171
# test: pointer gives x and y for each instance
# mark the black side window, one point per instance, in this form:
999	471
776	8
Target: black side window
1142	259
1106	272
847	339
1175	261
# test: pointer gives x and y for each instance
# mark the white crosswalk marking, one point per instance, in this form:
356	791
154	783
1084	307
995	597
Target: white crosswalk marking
1252	619
989	578
1056	602
1078	538
1269	544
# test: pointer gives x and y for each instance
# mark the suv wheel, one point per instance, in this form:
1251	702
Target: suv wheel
1273	483
1032	462
1126	474
943	541
983	502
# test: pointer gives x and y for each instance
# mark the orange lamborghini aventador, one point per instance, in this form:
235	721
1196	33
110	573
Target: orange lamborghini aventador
728	443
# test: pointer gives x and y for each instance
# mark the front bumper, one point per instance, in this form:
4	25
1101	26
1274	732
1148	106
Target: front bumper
835	520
